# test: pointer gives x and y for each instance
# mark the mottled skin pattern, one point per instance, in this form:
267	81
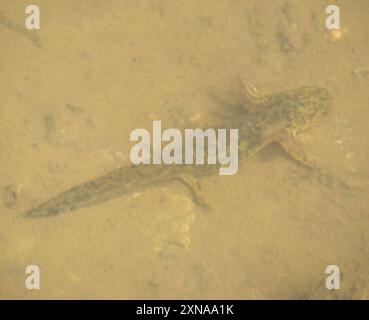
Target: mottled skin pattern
277	117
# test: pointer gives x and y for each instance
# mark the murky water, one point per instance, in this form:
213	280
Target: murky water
72	92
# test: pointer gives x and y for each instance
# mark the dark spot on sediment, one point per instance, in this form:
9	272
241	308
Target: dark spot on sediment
74	108
9	196
50	124
284	42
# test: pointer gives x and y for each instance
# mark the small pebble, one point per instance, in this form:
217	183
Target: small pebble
351	162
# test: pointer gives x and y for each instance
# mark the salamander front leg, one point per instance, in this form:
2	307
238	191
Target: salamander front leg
294	149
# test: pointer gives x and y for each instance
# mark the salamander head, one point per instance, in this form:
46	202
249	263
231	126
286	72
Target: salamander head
310	105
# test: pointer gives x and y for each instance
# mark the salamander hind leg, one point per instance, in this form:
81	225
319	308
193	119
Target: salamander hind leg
195	188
